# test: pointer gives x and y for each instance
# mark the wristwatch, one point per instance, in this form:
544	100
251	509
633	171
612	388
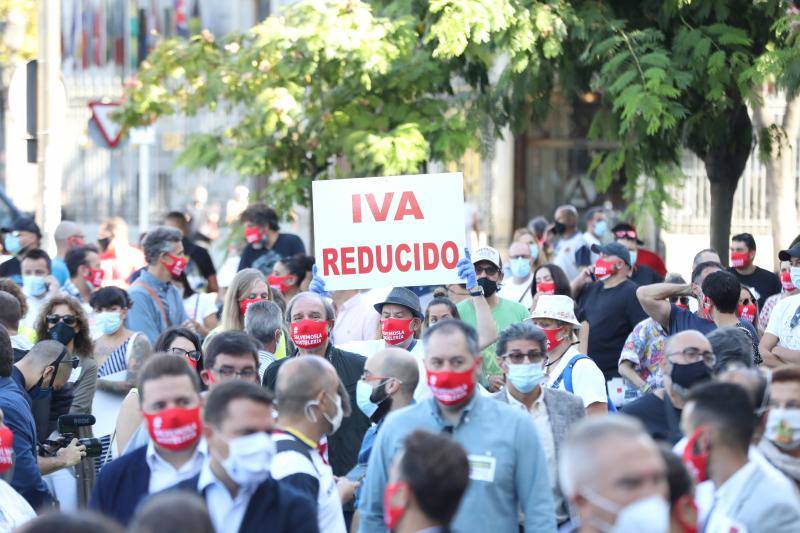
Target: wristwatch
477	291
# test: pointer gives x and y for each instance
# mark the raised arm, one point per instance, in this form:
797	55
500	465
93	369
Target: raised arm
655	299
487	329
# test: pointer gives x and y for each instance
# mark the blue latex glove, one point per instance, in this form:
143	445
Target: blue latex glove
466	270
317	284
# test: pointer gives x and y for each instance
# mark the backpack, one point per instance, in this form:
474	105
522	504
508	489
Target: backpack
566	377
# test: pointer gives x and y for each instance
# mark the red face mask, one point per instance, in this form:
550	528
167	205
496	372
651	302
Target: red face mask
279	283
552	337
309	334
746	312
696	461
6	449
786	281
253	234
95	277
452	388
75	242
604	269
740	259
396	330
244	304
545	287
686	527
176	428
175	264
392	514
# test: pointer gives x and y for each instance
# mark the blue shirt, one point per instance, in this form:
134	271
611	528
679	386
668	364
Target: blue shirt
508	469
60	270
146	316
683	319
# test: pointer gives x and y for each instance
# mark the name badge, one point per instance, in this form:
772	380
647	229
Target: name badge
482	467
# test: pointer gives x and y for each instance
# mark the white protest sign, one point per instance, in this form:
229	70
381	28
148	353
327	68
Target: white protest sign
392	231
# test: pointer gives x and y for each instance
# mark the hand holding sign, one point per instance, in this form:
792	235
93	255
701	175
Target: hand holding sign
317	284
466	271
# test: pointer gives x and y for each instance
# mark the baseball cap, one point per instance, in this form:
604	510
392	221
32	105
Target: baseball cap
24	224
487	253
785	255
613	248
404	297
623	230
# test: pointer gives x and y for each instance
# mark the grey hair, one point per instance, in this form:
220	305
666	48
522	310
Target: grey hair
575	464
732	346
330	313
568	207
450	326
262	320
159	240
520	331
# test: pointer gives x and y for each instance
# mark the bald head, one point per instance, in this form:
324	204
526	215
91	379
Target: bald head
65	230
396	363
300	380
10	311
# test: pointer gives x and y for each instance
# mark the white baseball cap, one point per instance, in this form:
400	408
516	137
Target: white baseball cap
556	307
487	253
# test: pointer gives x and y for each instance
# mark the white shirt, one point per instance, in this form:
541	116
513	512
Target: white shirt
164	475
226	513
199	306
14	509
565	254
518	292
21	342
356	320
590	239
587	379
780	323
724	498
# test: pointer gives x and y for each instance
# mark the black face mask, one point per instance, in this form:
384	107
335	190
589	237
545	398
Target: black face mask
62	333
489	286
686	376
104	242
559	228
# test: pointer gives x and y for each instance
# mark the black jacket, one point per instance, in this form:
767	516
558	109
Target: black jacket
343	445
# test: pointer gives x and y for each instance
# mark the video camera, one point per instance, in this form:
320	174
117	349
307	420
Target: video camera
68	429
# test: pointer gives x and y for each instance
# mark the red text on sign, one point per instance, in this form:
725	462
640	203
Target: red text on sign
407	207
418	257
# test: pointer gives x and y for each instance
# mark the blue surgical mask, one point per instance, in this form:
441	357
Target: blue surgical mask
534	251
11	244
363	392
34	285
108	322
634	255
525	377
520	267
794	272
600	228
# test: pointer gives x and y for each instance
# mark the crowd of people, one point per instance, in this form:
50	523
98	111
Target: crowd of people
569	383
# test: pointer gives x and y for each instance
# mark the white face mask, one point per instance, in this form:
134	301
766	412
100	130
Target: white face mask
335	421
249	459
783	428
649	514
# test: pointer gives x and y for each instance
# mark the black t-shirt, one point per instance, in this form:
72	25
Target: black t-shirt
644	275
612	314
200	258
764	282
264	259
660	417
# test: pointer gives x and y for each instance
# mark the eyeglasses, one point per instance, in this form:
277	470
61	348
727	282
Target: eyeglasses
518	358
74	362
228	372
194	355
625	234
694	355
69	320
489	270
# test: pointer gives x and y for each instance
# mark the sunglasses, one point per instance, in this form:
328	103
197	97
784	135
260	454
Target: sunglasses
194	355
489	270
683	300
66	319
625	234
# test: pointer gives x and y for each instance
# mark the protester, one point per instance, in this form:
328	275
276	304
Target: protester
528	237
640	359
596	230
763	282
522	349
427	480
732	348
683	509
68	235
200	264
22	237
567	240
482	278
640	274
747	308
236	478
719	419
22	336
264	322
566	368
169	395
85	274
312	404
311	319
707	255
200	307
549	279
157	304
609	306
781	342
266	244
688	360
439	308
118	258
291	275
613	477
38	284
172	512
518	288
788	289
14	509
781	442
231	355
509	466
